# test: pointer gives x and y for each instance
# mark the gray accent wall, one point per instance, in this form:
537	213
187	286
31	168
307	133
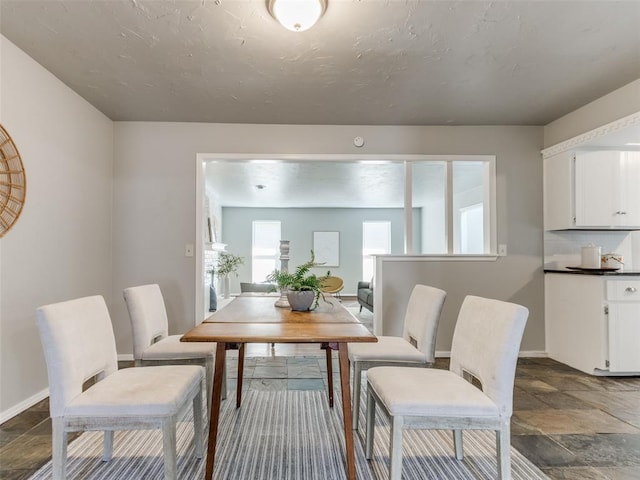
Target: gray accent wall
60	247
298	225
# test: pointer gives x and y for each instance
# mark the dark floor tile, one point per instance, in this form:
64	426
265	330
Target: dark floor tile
28	451
544	451
268	384
304	371
534	385
611	450
305	384
24	421
620	473
580	382
581	421
270	372
563	401
574	473
624	405
523	400
15	474
271	362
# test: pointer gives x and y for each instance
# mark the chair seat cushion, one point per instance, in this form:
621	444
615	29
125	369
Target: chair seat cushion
386	349
138	391
171	348
428	392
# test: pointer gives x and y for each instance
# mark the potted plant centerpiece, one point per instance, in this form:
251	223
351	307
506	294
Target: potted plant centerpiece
228	263
302	286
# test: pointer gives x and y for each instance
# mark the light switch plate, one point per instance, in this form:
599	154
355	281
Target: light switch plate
502	250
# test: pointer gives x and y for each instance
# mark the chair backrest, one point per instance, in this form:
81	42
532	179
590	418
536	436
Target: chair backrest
422	318
486	342
148	316
332	284
78	342
246	287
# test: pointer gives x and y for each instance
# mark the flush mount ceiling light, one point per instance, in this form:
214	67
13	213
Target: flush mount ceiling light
297	15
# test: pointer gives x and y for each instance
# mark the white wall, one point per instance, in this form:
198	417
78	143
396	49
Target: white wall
60	248
154	202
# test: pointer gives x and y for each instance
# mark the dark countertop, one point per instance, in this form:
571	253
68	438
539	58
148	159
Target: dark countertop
592	272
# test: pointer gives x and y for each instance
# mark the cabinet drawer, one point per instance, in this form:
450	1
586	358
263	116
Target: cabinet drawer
624	290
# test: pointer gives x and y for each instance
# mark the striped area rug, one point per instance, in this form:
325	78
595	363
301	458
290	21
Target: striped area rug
289	435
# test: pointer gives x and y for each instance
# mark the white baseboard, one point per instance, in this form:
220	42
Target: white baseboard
125	357
22	406
522	354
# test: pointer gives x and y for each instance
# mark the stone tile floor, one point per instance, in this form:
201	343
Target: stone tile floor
571	425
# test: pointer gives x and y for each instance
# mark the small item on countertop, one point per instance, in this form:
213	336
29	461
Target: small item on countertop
612	260
591	256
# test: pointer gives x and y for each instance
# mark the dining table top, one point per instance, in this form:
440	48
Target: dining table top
299	332
262	309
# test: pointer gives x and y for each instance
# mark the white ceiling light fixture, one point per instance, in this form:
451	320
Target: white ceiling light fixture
297	15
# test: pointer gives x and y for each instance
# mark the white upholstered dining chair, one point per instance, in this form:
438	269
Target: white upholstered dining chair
485	349
79	345
416	347
152	344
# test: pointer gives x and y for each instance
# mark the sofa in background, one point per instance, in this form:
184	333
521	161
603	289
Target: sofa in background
365	295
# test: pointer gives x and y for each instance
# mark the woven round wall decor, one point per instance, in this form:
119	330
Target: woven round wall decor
13	183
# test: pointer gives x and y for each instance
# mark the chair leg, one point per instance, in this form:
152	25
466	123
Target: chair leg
208	378
107	449
457	444
395	449
370	424
197	422
503	450
169	448
357	383
59	447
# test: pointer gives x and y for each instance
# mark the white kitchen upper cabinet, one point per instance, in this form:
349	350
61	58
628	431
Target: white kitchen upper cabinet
592	190
607	189
558	192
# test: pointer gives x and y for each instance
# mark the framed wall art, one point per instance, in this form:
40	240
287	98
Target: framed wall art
326	247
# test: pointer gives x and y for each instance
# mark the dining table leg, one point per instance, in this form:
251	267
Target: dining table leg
216	398
329	356
347	413
240	375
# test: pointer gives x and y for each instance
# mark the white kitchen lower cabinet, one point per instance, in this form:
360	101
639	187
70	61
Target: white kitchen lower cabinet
592	322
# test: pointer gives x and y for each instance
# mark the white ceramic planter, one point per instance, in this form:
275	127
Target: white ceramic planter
300	301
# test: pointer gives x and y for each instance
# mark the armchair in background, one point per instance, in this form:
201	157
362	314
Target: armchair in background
365	295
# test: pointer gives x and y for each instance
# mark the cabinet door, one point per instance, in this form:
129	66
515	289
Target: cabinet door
629	193
624	337
558	191
596	188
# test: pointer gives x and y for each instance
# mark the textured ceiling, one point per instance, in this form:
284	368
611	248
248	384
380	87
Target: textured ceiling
366	62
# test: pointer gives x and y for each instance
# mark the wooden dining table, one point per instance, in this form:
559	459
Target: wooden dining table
256	319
